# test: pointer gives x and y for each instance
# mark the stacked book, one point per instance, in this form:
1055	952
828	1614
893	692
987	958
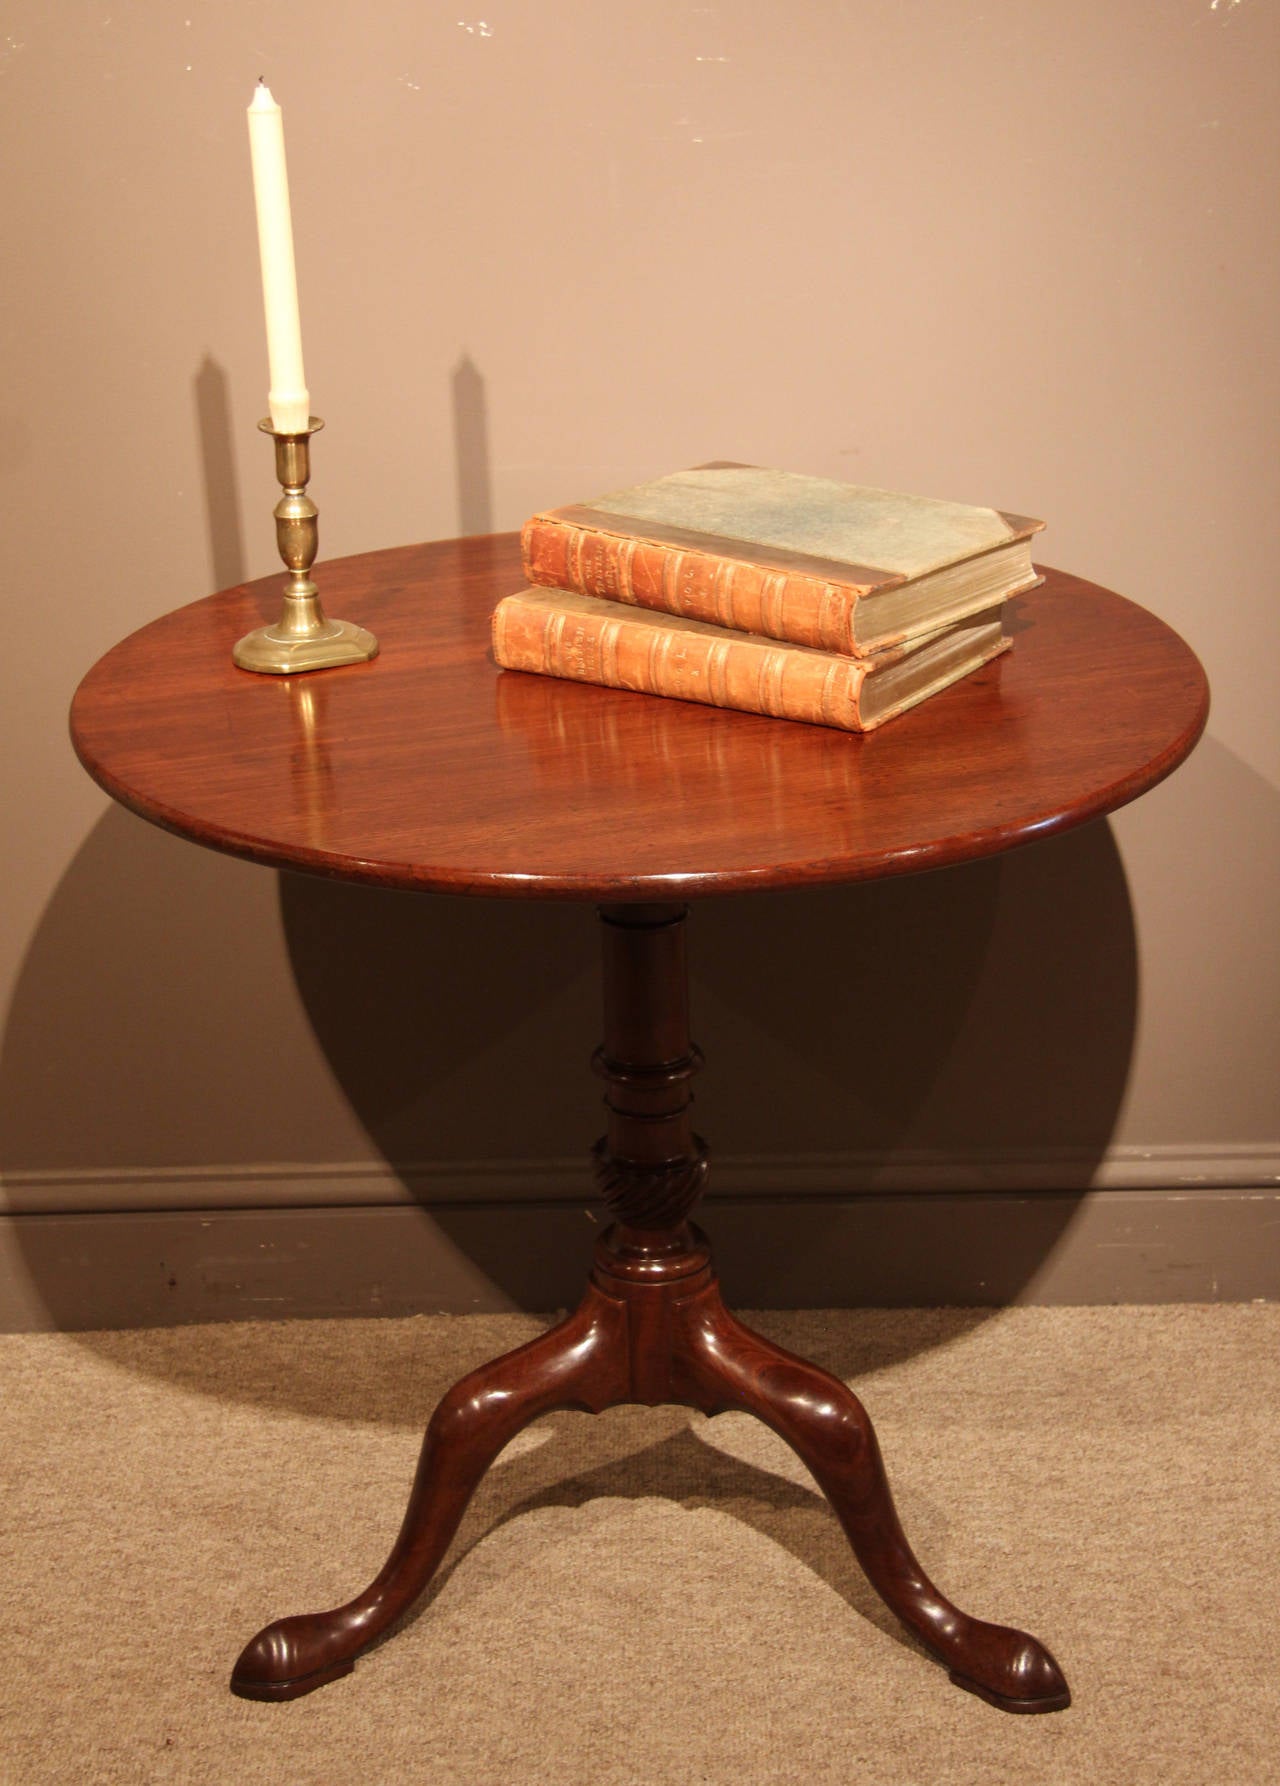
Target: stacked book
767	591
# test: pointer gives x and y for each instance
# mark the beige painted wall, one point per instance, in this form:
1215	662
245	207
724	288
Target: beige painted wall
1012	254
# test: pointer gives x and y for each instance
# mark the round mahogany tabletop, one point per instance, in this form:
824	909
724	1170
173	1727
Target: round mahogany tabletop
431	768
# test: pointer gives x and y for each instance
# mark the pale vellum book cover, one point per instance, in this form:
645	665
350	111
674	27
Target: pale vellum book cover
843	567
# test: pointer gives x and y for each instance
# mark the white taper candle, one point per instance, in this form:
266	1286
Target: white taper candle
289	399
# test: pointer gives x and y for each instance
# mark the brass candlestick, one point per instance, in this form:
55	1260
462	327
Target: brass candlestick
302	638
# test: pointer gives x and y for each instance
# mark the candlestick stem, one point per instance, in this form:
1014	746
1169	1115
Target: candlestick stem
303	638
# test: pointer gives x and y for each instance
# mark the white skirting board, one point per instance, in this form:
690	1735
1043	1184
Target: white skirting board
120	1249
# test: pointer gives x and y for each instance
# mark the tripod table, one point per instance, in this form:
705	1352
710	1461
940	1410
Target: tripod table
429	768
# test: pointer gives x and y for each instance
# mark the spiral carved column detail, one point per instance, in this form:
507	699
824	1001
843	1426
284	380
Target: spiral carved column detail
649	1197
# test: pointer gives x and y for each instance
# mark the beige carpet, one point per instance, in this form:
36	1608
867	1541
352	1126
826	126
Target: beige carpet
648	1596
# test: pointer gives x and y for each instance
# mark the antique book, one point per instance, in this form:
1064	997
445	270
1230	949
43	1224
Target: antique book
556	632
840	566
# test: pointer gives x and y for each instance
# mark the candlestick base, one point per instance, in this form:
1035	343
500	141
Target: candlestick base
302	639
272	651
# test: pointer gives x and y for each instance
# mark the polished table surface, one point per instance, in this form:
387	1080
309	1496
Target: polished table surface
430	767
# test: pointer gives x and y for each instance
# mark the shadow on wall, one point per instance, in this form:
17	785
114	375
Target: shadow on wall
965	1016
156	1024
157	1027
471	448
223	514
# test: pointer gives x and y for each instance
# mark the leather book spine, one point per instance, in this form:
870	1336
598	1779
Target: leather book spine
752	675
732	592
